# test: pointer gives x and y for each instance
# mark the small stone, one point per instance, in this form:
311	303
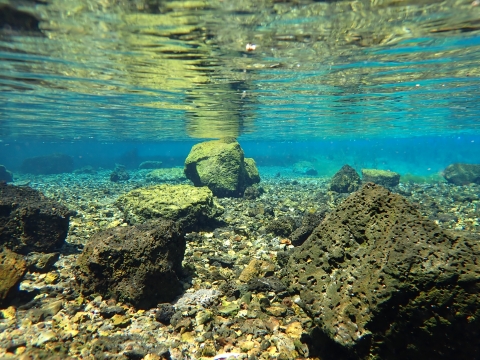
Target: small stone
120	321
45	336
51	278
110	311
256	268
276	310
52	308
8	313
203	317
294	330
229	309
247	346
188	337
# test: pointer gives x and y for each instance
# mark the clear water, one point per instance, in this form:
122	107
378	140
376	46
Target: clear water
357	73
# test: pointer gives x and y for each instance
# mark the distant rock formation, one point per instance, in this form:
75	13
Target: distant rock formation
48	164
379	280
220	165
462	174
5	175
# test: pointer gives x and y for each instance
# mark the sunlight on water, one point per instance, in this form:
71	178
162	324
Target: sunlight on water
148	70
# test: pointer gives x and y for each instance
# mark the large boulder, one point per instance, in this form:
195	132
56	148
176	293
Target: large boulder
462	174
12	269
29	221
139	265
381	281
220	165
346	180
48	164
193	207
385	178
5	175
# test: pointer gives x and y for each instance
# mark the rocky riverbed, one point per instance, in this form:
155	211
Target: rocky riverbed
235	303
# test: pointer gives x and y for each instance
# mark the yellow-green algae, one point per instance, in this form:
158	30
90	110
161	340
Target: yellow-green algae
168	201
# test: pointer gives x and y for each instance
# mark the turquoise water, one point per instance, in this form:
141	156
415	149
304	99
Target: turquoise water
352	74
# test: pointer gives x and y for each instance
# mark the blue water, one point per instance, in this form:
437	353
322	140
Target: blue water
387	85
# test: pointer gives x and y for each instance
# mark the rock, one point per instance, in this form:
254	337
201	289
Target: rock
378	278
193	207
139	264
256	268
385	178
265	284
12	269
48	164
5	175
253	192
251	172
163	175
40	262
119	174
462	174
164	313
109	311
309	222
283	226
346	180
220	165
31	222
86	170
150	164
304	168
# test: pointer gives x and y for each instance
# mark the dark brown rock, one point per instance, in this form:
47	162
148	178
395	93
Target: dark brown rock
139	264
462	174
346	180
283	226
48	164
381	281
29	221
12	269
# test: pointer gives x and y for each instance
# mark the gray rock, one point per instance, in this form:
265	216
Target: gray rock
48	164
150	164
378	278
462	174
304	168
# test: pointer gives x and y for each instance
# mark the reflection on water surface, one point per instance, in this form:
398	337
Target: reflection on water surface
158	70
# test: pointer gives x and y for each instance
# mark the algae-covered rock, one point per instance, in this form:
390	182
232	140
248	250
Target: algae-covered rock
168	174
462	174
220	165
138	264
346	180
381	177
150	164
381	281
192	206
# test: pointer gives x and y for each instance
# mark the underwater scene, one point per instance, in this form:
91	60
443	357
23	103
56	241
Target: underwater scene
240	179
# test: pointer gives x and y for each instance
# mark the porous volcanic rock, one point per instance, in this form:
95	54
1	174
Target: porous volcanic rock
29	221
309	222
12	269
193	207
220	165
462	174
381	177
346	180
48	164
381	281
5	175
139	264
